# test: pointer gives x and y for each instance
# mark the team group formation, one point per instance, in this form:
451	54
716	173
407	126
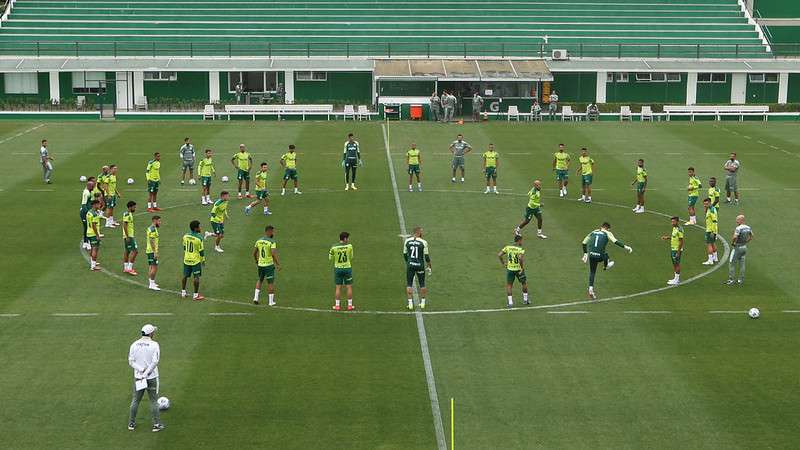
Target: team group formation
101	194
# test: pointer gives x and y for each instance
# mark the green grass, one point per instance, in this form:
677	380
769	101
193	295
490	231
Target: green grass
284	378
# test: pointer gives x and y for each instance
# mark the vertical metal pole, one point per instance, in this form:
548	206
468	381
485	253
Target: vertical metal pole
698	51
429	50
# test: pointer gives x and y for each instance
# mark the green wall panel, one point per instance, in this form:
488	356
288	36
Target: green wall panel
777	8
717	93
340	88
43	79
794	88
65	86
575	87
646	92
188	86
417	88
761	92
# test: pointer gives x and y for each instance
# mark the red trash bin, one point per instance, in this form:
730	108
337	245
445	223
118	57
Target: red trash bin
416	112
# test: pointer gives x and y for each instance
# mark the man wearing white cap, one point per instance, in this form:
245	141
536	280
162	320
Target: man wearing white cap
143	358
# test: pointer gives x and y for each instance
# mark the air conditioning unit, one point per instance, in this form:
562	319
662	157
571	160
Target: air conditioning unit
560	55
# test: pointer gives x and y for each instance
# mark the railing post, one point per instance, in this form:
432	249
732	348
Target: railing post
503	49
698	51
541	51
658	50
619	51
191	50
389	50
154	49
347	47
76	49
38	52
308	49
465	50
269	50
580	50
115	49
737	50
429	49
230	48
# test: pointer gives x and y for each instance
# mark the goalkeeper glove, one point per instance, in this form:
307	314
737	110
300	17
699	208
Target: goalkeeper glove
585	258
629	249
361	162
429	271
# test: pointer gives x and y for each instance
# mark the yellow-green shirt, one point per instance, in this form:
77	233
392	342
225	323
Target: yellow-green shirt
111	181
694	187
675	239
102	181
219	211
193	252
413	156
562	160
153	171
713	195
290	159
341	255
242	160
261	181
513	256
641	174
711	220
265	246
491	158
127	223
534	198
92	217
586	164
205	168
152	239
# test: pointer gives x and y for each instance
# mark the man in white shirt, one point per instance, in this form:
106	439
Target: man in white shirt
731	167
47	162
143	357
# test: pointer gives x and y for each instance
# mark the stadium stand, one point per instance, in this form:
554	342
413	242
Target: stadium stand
369	28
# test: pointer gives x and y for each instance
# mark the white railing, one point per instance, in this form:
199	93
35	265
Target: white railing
9	6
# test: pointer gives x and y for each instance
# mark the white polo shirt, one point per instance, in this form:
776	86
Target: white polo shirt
143	357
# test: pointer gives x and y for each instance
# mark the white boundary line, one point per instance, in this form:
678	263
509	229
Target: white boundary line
423	336
75	314
9	315
150	314
21	133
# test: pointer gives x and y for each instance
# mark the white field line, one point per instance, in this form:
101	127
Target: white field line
9	315
567	312
647	312
791	311
216	314
74	314
727	312
423	336
3	141
39	190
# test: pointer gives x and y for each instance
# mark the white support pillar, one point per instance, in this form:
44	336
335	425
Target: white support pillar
738	88
601	87
213	87
783	88
691	88
123	91
138	85
55	88
288	82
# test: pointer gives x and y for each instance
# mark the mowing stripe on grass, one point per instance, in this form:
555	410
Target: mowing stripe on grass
423	336
74	314
21	133
150	314
218	314
9	315
567	312
727	312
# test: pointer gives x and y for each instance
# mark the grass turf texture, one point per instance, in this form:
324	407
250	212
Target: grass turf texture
291	379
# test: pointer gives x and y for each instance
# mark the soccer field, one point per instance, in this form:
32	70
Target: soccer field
643	366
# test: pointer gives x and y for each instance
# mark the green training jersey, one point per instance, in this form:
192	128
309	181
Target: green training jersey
153	170
351	152
261	181
219	211
127	224
491	158
92	218
415	252
641	175
413	156
341	255
595	242
242	160
513	254
152	239
694	187
193	252
714	195
265	246
562	160
205	168
675	238
111	184
534	198
290	160
586	163
711	220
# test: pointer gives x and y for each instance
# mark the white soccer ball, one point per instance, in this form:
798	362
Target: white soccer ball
83	178
224	178
191	181
163	403
754	313
130	180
